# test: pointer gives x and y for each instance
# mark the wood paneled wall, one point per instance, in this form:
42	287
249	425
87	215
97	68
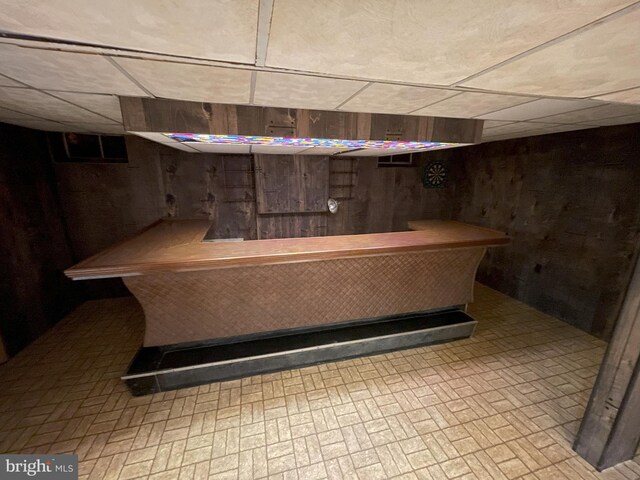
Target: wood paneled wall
104	203
291	183
570	203
33	245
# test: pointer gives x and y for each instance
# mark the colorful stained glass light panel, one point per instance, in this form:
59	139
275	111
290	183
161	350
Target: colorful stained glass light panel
305	142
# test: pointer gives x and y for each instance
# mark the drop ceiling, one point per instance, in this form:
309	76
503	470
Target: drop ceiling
525	67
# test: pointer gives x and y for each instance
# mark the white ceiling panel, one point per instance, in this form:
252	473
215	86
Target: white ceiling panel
277	149
565	128
7	82
198	83
508	136
222	30
154	136
488	124
471	104
324	151
538	108
599	60
516	127
428	42
104	128
589	115
626	96
617	120
55	70
535	133
388	98
6	114
39	104
105	105
302	91
532	132
159	138
216	148
40	125
180	146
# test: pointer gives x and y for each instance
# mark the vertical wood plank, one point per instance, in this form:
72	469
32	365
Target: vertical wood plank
290	184
292	225
625	434
606	435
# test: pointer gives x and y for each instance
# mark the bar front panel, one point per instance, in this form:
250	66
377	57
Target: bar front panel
210	304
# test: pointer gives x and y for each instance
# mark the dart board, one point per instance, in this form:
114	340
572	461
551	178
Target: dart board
435	175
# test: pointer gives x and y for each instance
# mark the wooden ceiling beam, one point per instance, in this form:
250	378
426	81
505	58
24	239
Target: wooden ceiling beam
158	115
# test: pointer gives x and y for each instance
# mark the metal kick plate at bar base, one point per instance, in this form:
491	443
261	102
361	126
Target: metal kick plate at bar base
154	371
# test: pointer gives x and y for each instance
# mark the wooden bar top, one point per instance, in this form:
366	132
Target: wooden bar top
176	245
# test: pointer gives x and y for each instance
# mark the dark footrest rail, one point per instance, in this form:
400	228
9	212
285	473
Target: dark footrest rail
158	369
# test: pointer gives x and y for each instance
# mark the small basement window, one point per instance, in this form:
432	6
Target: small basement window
85	148
403	160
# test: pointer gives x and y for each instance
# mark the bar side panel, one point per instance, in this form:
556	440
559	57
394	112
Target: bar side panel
202	305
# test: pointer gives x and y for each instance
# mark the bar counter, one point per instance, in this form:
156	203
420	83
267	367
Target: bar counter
192	290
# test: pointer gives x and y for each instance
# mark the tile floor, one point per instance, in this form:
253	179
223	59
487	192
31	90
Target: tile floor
502	405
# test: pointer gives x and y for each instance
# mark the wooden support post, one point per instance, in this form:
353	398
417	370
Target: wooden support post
610	430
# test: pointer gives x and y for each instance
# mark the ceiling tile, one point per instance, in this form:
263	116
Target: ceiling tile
589	115
159	138
302	91
471	104
323	151
510	136
617	120
489	124
388	98
538	108
6	114
626	96
7	82
180	146
223	30
566	128
103	128
39	104
532	132
198	83
105	105
277	149
427	42
516	127
153	136
601	59
216	147
40	125
77	72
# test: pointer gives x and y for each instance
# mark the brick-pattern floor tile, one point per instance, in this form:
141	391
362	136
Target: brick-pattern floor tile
504	404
